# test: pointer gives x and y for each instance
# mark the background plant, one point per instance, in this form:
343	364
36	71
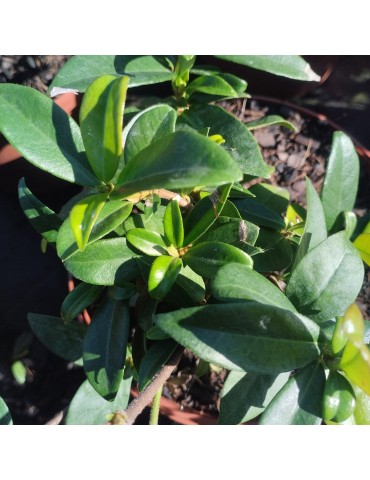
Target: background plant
173	251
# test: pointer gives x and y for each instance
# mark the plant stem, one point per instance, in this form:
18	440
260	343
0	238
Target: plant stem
146	396
154	412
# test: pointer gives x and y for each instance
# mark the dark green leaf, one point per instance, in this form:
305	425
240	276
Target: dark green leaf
239	142
150	243
188	290
78	299
173	224
206	258
101	121
155	333
255	212
81	70
89	408
232	231
124	292
246	395
339	398
327	279
154	359
245	336
105	262
277	253
44	134
275	198
42	218
112	215
145	309
268	121
299	402
179	160
5	417
152	224
204	214
64	340
105	347
162	276
291	66
235	282
341	179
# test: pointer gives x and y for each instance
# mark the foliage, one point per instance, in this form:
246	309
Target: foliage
171	248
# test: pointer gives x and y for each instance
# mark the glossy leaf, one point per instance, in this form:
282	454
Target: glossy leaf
315	227
89	408
152	224
124	292
362	243
339	398
246	395
350	223
5	417
188	290
173	224
204	214
78	299
231	230
349	327
81	70
155	333
64	340
101	123
246	336
327	279
83	216
154	359
355	363
239	142
206	258
341	179
291	66
105	347
180	160
19	372
233	283
255	212
299	402
212	85
162	276
147	127
271	196
105	262
44	134
277	254
150	243
268	121
112	214
362	409
42	218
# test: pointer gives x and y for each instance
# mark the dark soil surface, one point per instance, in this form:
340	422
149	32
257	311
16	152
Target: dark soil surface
52	382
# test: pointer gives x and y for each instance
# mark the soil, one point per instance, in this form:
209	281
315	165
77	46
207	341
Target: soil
52	382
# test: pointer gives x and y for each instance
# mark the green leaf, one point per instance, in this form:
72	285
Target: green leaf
339	398
255	212
188	290
83	216
145	308
101	122
150	243
124	292
64	340
246	336
341	179
212	85
350	223
173	224
89	408
78	299
355	363
81	70
268	121
362	409
5	417
315	227
19	372
246	395
277	253
147	127
162	276
327	279
299	402
112	214
44	134
204	214
42	218
239	142
291	66
179	160
231	230
154	359
233	283
349	327
155	333
105	347
152	224
362	243
275	198
206	258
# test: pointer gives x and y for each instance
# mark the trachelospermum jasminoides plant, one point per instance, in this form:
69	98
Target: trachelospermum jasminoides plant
173	252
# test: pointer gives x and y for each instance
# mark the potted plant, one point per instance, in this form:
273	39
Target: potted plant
172	251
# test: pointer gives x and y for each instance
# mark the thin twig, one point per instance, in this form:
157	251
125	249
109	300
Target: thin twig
146	396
